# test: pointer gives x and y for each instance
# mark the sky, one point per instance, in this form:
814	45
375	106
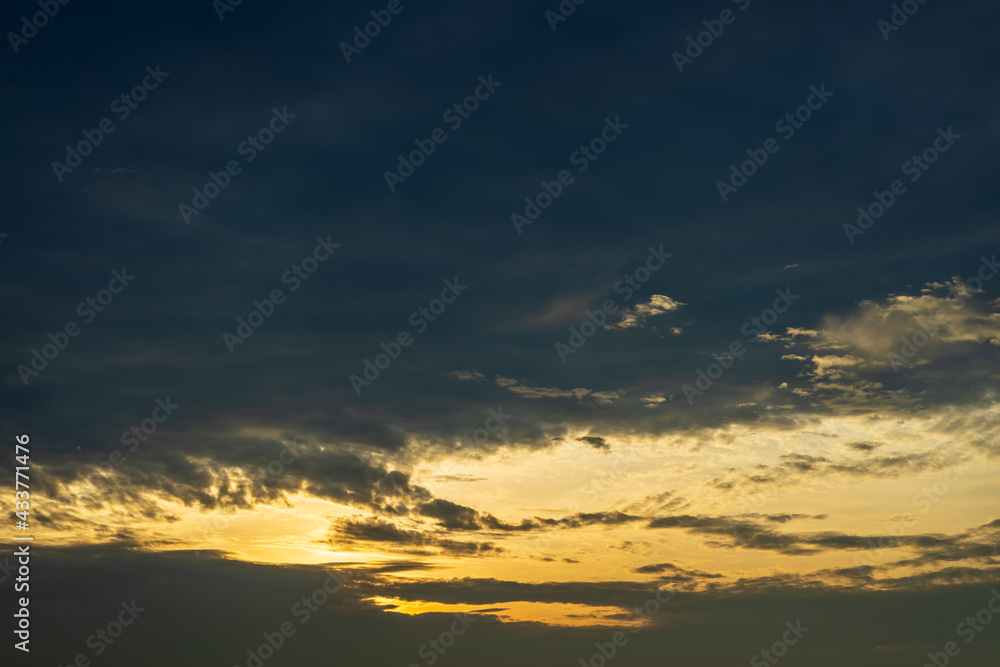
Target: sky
503	333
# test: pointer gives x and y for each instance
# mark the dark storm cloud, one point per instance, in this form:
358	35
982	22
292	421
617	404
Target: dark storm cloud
237	602
219	472
323	176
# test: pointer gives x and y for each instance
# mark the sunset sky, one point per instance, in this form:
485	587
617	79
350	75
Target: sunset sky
539	317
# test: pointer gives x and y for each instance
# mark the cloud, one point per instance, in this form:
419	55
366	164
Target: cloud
636	316
595	442
467	375
653	400
451	515
795	466
674	574
348	532
238	598
657	503
458	478
732	532
855	358
225	473
451	518
580	394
